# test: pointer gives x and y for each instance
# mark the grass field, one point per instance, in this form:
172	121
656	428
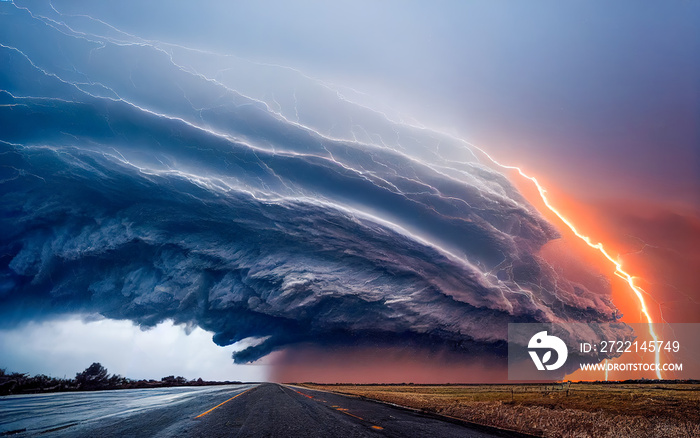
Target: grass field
569	410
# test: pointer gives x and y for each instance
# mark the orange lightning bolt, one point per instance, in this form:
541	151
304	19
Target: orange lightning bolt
599	246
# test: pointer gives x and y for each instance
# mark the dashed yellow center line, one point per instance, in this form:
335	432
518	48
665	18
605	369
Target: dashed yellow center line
221	404
305	395
336	407
345	411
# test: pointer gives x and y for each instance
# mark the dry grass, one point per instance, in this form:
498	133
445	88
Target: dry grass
585	410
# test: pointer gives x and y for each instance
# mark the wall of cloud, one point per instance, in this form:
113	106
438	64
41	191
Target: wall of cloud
147	181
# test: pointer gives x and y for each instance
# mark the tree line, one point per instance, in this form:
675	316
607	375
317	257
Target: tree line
93	378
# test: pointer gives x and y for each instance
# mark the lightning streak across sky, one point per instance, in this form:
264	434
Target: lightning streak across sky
629	279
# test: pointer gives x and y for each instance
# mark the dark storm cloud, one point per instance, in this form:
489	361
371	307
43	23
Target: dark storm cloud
147	182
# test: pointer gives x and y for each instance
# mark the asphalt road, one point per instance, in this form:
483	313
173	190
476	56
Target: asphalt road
125	413
265	410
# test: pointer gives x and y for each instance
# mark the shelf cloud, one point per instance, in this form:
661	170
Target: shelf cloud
145	181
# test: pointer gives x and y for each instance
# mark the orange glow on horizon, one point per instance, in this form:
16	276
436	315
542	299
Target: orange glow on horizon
619	271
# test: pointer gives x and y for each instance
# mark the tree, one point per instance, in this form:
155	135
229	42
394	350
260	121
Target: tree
94	377
117	381
174	381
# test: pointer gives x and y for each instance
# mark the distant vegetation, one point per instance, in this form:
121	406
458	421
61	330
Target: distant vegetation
94	378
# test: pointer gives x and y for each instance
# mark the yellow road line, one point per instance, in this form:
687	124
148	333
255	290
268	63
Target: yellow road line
338	408
220	404
345	411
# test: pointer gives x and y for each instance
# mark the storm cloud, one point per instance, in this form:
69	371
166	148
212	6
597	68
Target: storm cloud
146	181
